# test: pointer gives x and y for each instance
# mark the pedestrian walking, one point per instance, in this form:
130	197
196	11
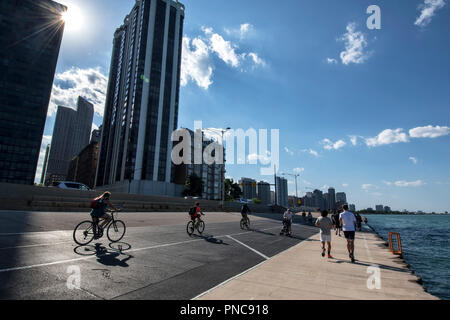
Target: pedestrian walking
348	223
325	224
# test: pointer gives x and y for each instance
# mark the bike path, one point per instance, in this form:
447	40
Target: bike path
152	262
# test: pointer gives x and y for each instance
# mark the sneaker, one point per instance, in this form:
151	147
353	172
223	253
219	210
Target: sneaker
323	253
329	256
352	257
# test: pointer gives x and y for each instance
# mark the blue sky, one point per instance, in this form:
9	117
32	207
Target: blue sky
365	111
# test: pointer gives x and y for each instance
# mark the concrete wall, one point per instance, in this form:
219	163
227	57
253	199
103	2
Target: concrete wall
32	198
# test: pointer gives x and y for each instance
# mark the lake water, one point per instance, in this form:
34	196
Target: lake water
426	246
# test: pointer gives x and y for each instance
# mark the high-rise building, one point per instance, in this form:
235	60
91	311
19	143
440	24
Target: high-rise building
30	37
264	192
282	191
387	209
331	199
71	134
212	175
141	109
352	207
83	166
319	201
96	135
341	197
44	165
379	208
248	187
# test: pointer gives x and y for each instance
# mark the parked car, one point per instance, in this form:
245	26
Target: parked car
71	185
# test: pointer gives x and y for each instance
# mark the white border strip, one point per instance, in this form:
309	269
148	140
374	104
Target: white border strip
255	251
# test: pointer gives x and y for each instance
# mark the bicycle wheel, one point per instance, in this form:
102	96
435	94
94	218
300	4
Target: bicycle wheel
116	230
242	224
190	228
83	233
200	227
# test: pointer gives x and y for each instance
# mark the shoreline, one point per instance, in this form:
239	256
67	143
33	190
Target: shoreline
408	265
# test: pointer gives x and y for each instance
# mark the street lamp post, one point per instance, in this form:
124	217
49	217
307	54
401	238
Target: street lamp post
293	175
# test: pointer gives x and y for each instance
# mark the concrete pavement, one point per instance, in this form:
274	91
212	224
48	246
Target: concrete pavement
301	273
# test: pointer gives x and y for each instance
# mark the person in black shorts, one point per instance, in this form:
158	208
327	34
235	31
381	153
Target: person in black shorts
348	223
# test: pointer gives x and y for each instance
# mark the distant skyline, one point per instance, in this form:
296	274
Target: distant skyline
364	111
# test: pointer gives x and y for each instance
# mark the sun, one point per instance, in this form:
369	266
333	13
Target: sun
73	19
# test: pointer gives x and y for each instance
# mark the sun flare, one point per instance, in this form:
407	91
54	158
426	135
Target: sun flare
73	19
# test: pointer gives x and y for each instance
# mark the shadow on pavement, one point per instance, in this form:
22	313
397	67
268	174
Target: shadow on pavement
366	264
211	239
105	256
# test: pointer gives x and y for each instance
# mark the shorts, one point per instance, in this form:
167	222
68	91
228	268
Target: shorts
350	235
325	237
195	215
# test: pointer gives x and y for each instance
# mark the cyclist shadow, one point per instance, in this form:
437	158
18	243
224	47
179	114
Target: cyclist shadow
211	239
107	257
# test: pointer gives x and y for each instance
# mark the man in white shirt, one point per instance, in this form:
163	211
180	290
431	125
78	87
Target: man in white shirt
348	223
287	222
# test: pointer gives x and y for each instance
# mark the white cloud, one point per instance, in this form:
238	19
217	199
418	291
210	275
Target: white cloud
403	183
257	60
330	145
429	132
224	49
197	57
417	183
345	185
354	140
263	159
196	64
311	151
289	151
69	85
428	9
368	186
298	170
388	136
331	61
45	141
243	31
355	43
413	159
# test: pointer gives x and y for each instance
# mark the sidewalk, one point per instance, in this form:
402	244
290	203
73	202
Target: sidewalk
301	273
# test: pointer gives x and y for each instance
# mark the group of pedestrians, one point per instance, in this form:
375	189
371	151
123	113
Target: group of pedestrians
346	221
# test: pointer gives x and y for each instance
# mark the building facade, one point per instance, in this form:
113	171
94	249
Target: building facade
248	187
82	168
331	199
44	165
141	109
212	175
71	134
379	208
282	191
264	192
30	37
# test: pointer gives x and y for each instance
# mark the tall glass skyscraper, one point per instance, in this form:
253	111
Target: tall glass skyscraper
30	37
71	134
141	109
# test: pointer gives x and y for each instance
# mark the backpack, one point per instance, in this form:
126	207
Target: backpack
192	211
95	203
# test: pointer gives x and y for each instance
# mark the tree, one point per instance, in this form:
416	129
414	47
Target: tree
256	201
228	183
193	186
236	191
232	190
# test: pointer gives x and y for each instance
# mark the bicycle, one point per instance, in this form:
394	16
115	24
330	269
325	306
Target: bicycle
84	232
199	225
245	223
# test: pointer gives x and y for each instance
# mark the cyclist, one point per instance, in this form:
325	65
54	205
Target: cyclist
244	212
287	222
99	212
195	216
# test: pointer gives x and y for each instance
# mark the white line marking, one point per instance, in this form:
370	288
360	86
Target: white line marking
226	281
36	245
95	256
248	270
248	247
